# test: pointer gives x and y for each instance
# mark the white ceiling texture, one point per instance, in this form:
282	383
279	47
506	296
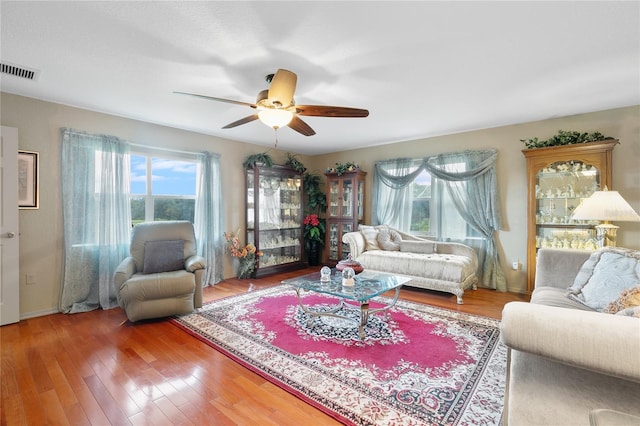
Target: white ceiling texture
422	69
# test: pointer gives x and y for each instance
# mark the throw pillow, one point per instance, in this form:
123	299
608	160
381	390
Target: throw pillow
423	247
628	299
630	312
607	273
370	234
389	239
163	256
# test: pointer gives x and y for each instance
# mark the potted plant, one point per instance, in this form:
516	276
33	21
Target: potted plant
316	199
314	231
260	158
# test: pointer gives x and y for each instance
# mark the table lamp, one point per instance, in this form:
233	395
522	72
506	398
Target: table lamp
605	206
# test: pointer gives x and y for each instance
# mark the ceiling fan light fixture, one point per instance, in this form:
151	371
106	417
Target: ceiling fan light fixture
275	118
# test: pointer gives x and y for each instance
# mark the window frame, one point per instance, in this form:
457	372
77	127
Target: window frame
436	214
149	198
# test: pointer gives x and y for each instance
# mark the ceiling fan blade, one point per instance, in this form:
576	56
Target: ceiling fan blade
211	98
300	126
282	87
331	111
245	120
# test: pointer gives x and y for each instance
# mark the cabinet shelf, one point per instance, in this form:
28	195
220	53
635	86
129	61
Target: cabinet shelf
558	179
274	217
565	225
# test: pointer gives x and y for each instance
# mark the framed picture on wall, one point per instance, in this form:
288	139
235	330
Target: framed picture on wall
28	180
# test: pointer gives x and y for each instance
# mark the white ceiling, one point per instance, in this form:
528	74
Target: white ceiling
421	68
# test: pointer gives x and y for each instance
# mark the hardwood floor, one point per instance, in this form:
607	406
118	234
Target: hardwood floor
93	369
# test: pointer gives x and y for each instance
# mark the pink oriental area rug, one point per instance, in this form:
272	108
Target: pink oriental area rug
419	365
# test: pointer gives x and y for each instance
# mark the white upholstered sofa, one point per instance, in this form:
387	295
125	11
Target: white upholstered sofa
433	265
571	364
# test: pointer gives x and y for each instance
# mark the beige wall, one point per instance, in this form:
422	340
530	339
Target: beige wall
39	126
622	124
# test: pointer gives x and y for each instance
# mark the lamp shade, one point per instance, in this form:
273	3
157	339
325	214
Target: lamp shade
607	206
275	118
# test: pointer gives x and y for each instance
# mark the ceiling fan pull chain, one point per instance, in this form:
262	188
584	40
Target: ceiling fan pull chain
275	129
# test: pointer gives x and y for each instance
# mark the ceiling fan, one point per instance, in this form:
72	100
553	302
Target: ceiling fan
276	106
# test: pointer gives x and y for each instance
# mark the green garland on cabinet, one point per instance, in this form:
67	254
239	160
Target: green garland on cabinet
565	138
254	159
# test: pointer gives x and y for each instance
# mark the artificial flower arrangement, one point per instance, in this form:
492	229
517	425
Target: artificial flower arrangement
247	255
341	168
313	230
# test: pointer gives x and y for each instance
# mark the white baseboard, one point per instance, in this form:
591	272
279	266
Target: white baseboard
35	314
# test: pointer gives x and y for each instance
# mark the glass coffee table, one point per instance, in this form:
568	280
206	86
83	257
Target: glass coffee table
367	286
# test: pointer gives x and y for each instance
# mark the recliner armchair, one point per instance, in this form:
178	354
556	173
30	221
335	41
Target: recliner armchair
163	274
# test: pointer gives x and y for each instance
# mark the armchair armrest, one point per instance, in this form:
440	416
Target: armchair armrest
599	342
195	262
124	271
356	243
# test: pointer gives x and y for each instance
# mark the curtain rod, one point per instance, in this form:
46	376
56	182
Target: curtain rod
154	148
137	145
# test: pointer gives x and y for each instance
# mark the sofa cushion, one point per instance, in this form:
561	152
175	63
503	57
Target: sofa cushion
424	247
607	273
557	297
163	256
370	234
628	299
389	239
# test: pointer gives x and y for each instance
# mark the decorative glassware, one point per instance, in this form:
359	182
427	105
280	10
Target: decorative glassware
347	277
325	274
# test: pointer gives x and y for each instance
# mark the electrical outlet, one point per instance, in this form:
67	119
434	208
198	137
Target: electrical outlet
31	279
515	265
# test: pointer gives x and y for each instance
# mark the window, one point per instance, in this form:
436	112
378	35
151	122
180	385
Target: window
433	213
421	204
162	188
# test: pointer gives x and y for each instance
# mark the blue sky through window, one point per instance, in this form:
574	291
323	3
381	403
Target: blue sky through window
169	177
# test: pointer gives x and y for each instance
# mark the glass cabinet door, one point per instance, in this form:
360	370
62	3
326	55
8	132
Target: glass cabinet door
360	200
558	179
560	188
251	205
346	227
347	192
333	240
345	199
334	195
337	249
274	217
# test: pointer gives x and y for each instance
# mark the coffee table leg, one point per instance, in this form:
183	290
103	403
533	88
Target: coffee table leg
315	314
364	318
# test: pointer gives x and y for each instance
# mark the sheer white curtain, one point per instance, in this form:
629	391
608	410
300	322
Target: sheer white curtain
470	178
208	217
392	195
96	218
471	183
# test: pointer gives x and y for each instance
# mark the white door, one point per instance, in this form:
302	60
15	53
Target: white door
9	275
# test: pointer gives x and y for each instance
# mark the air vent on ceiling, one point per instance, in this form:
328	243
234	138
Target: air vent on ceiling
18	71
